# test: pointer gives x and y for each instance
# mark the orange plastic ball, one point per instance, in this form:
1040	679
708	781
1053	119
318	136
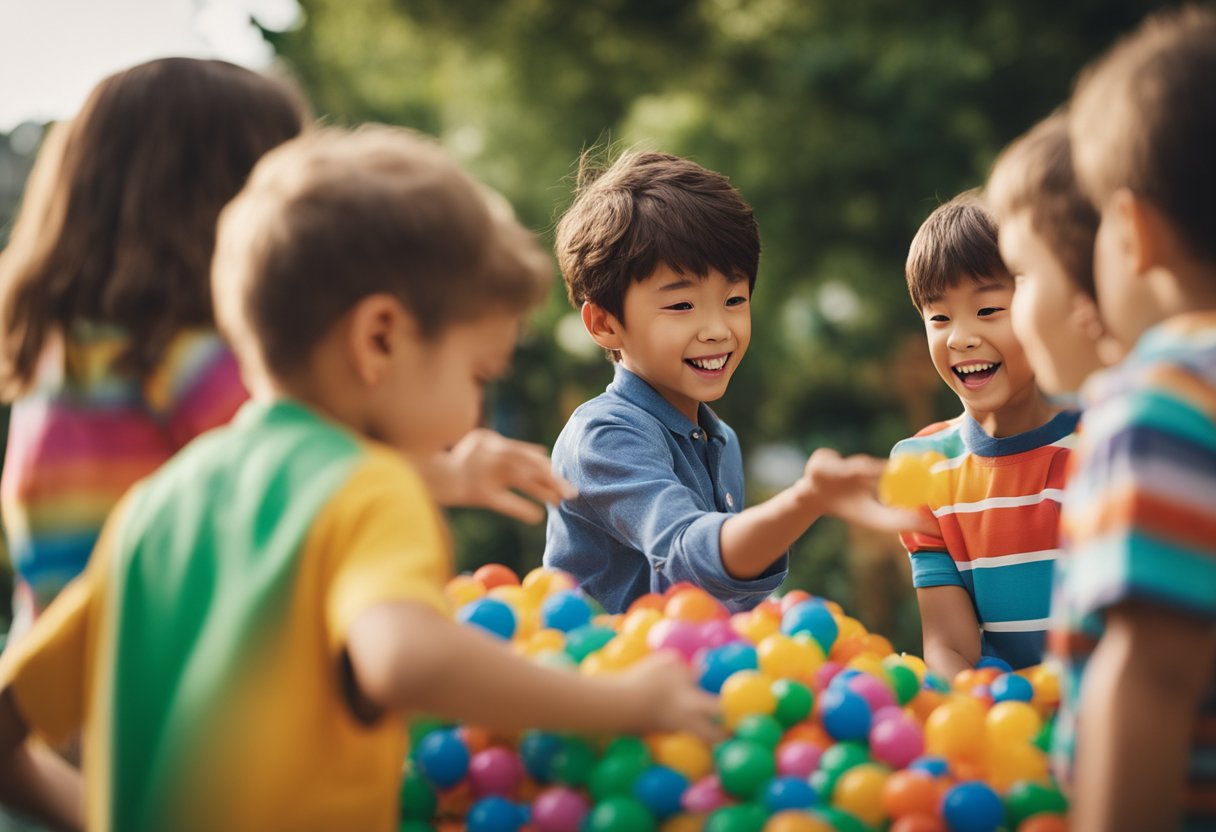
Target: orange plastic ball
695	605
495	574
918	823
847	649
793	598
956	729
792	820
464	589
1044	822
683	822
649	601
910	792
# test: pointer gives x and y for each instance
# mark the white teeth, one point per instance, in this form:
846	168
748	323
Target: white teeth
974	368
709	363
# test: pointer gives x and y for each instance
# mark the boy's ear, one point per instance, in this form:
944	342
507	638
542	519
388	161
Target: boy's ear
1086	318
380	328
602	326
1143	231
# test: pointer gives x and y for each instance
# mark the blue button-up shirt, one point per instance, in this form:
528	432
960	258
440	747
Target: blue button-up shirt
653	492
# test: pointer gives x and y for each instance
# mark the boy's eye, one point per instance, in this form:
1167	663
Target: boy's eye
736	300
989	310
682	306
938	319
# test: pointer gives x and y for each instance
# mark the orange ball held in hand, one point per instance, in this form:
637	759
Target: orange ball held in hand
907	482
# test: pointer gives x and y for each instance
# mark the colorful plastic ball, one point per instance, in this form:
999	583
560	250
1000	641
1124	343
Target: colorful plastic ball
682	637
886	712
897	741
814	618
583	641
491	614
537	749
793	820
794	701
415	825
911	792
907	481
704	796
1012	722
719	664
905	684
844	713
495	771
986	662
684	752
462	589
559	810
573	763
619	814
1010	686
745	693
956	729
788	793
761	729
565	611
1046	822
826	674
783	657
495	574
717	632
615	774
918	823
798	759
696	605
495	814
931	764
745	817
629	747
972	807
859	792
876	692
745	767
841	820
443	758
660	788
843	756
1027	798
418	799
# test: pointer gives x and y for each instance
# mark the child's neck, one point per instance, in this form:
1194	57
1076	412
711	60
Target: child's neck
1020	415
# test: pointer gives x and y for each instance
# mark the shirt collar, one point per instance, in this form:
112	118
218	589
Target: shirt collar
637	391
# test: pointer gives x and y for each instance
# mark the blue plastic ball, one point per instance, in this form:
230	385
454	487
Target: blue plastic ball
1011	687
811	617
788	793
973	807
495	814
845	714
490	614
720	663
443	758
537	749
993	661
660	788
566	610
932	765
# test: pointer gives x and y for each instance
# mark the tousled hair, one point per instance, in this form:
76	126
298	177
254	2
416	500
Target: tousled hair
958	240
117	223
336	216
1035	174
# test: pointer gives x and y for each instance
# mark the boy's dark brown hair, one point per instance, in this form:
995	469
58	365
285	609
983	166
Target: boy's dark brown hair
646	210
1144	118
117	224
956	241
1035	174
335	216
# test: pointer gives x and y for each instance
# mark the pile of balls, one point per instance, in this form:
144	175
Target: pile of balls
829	728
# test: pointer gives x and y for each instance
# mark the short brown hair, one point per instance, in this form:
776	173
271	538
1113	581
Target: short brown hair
117	224
335	216
1143	119
956	241
647	210
1035	174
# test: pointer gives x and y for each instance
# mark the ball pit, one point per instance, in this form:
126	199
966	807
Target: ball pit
829	728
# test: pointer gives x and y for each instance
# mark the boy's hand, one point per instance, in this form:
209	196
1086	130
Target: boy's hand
485	470
676	702
845	487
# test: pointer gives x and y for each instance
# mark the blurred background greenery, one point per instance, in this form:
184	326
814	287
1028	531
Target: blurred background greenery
843	123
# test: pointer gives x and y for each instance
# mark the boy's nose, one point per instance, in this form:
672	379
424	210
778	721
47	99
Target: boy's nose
714	328
962	338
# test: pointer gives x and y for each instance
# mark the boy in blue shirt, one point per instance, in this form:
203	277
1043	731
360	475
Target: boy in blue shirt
661	257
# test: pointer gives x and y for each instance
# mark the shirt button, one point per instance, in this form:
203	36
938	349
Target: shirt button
730	500
696	434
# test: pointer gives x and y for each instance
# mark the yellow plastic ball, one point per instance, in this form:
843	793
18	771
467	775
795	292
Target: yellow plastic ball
956	729
638	623
859	792
1012	722
745	693
682	752
464	589
1007	764
782	657
907	481
755	626
794	820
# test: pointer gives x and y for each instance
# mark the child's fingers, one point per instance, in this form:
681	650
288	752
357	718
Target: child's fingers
512	505
884	518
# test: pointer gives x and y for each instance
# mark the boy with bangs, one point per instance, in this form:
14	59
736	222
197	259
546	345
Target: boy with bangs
660	255
259	614
983	576
1136	617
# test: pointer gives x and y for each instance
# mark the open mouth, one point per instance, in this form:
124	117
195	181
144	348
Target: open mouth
976	374
710	365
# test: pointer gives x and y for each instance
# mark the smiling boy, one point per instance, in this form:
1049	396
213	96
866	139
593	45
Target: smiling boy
983	581
660	255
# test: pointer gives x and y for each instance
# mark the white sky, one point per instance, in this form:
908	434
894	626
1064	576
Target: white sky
52	52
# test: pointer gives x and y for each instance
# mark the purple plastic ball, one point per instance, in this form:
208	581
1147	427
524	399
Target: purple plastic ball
495	771
559	810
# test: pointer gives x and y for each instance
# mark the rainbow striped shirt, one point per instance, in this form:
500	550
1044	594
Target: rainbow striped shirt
86	432
997	504
1140	518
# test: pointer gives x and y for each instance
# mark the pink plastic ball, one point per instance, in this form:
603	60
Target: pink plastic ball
705	795
897	741
684	637
798	759
717	632
876	693
825	674
559	810
495	771
887	712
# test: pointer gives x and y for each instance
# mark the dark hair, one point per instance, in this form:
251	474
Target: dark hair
1035	174
646	210
335	216
956	241
117	224
1144	118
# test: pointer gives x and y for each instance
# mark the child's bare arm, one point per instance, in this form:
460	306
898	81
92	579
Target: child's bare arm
486	469
831	484
406	656
1139	696
33	779
951	631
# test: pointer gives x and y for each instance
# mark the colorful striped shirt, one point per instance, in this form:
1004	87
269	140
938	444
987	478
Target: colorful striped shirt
997	504
1140	519
202	650
86	432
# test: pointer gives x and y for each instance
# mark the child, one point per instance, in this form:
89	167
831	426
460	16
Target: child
661	256
983	579
105	306
1046	236
1137	598
258	614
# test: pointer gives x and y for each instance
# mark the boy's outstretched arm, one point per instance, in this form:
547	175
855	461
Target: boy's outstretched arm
830	484
951	630
485	470
33	779
408	657
1139	697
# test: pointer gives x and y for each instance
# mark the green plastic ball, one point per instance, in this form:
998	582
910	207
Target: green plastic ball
842	756
615	775
761	729
619	814
745	767
904	682
842	821
744	817
418	800
583	641
629	747
573	763
794	701
1027	797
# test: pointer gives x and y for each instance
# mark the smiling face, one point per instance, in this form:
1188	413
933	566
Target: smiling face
974	350
685	335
